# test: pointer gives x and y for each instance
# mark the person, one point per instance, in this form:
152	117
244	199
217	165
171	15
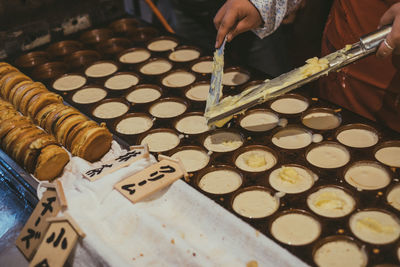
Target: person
369	87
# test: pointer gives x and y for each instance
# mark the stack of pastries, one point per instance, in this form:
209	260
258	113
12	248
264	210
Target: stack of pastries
39	149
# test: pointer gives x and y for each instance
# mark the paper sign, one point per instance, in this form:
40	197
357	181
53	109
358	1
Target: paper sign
36	226
134	154
56	246
151	179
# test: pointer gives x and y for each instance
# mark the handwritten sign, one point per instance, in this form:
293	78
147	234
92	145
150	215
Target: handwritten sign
36	226
60	239
151	179
134	154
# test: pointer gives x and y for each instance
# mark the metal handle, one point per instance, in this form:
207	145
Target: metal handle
372	40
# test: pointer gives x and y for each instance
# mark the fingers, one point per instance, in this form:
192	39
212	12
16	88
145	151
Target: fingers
389	15
242	26
392	41
226	25
218	17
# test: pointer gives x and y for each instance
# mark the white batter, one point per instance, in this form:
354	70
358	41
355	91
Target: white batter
135	56
178	79
234	78
162	45
255	204
223	142
121	82
292	138
367	176
259	121
198	92
358	138
161	141
328	156
68	83
192	125
110	110
389	156
340	253
290	229
321	120
156	67
289	105
101	70
393	198
134	125
375	227
89	95
291	179
256	160
220	182
203	67
167	109
331	202
184	55
192	159
143	95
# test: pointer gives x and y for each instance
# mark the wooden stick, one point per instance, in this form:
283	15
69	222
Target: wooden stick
159	16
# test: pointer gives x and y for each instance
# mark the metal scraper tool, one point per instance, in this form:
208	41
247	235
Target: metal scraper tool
287	82
215	91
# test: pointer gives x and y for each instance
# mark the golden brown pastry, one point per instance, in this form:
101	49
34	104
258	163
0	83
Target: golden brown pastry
31	151
8	81
15	88
51	162
6	68
41	116
76	130
41	100
27	97
21	91
63	129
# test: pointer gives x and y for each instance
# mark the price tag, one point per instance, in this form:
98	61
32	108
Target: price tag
151	179
36	226
60	239
134	154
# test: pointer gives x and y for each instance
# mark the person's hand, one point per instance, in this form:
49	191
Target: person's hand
392	41
234	17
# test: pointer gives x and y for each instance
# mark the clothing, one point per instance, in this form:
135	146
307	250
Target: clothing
371	86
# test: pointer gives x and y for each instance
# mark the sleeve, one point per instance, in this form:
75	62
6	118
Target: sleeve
272	13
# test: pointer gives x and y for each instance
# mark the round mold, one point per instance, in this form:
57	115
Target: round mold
95	36
222	140
132	124
101	69
219	180
175	106
143	34
124	25
292	137
357	135
160	140
194	158
388	153
177	79
202	65
121	82
113	46
316	156
111	110
88	95
292	179
63	48
393	196
321	119
235	76
184	53
155	66
162	44
68	82
143	93
198	91
134	55
49	70
258	120
82	58
290	104
32	59
255	158
191	123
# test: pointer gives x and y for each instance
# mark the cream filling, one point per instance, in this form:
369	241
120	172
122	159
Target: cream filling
162	45
203	67
198	93
331	202
321	121
89	95
178	79
70	82
101	70
134	125
143	95
256	160
110	110
375	227
328	156
192	159
156	67
121	82
184	55
389	156
255	204
289	105
223	142
294	138
367	176
259	121
167	109
234	78
290	229
358	138
291	180
161	141
340	253
135	57
192	125
220	182
393	198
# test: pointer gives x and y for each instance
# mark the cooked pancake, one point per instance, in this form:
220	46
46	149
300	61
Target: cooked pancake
10	80
50	162
41	116
27	97
32	150
21	146
8	113
63	129
61	116
52	116
41	100
13	134
15	88
23	135
9	124
21	91
76	131
6	68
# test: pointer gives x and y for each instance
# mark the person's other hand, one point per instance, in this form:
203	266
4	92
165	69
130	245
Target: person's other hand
234	17
392	44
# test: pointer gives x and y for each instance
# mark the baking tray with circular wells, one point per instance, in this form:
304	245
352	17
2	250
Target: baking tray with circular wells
312	166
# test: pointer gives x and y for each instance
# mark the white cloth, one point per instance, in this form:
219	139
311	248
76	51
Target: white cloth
177	226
